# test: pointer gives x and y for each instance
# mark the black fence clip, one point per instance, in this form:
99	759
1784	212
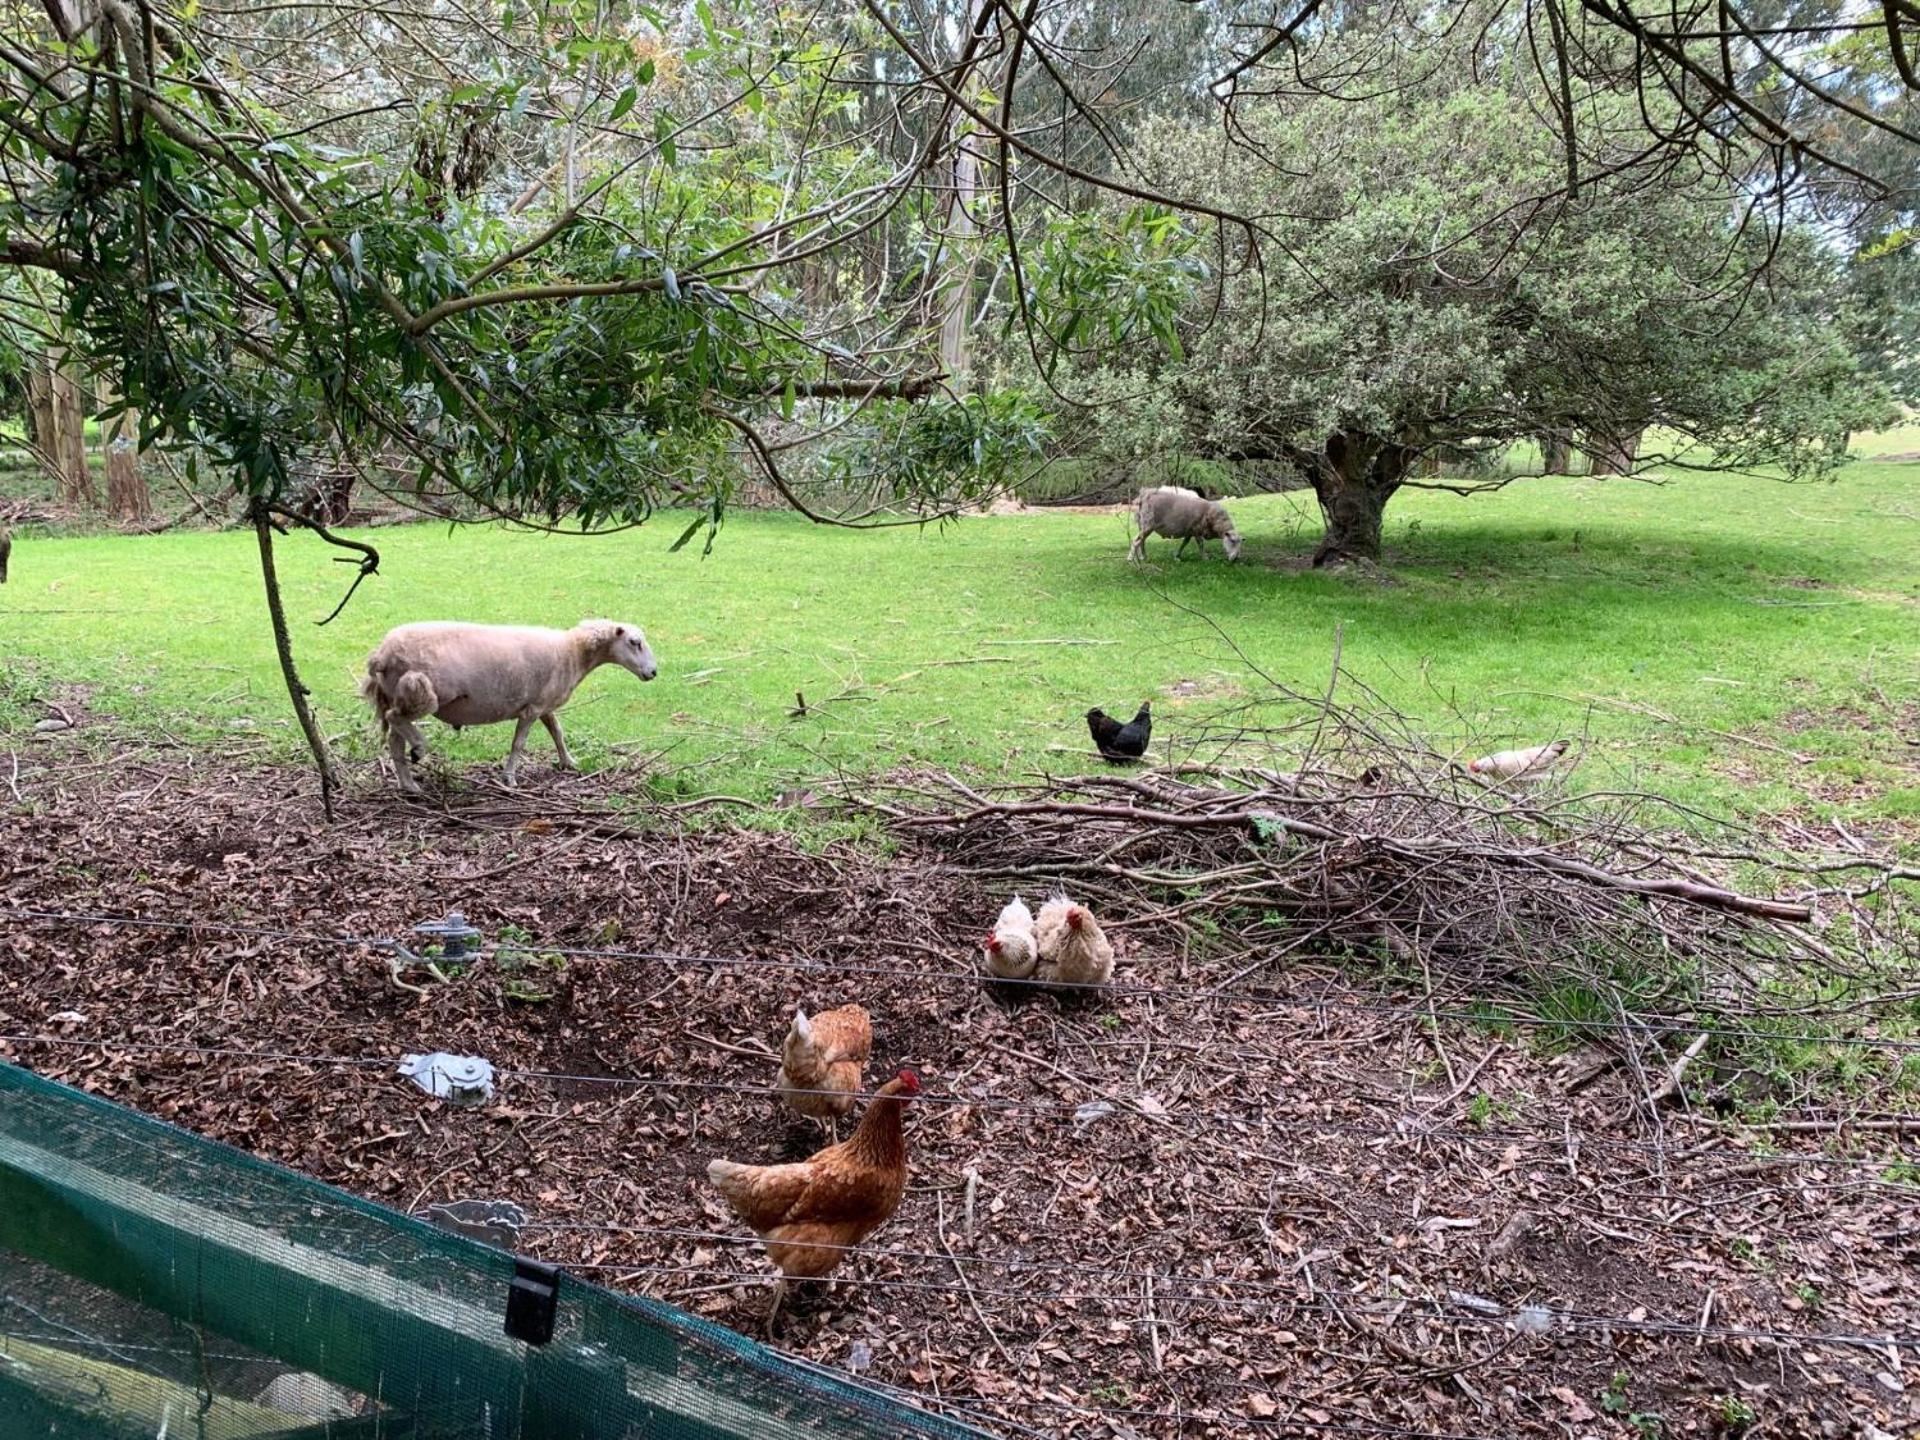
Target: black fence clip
532	1301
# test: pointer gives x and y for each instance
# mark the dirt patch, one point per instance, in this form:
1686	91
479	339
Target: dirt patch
1310	1215
1205	687
1899	721
1122	508
1286	562
45	710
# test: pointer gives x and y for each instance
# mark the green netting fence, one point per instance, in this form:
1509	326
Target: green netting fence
155	1285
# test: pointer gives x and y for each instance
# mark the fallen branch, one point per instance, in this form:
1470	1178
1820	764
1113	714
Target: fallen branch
1693	892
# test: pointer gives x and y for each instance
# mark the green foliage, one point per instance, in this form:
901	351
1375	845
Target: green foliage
912	448
1883	310
1614	1399
1411	287
272	293
521	967
1102	280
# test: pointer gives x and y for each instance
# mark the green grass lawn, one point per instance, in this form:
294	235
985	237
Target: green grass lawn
1782	614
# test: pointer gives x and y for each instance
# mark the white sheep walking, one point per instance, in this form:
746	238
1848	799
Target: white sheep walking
1180	514
485	674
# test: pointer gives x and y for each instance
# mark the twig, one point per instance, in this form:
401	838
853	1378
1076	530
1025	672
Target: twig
966	1283
1067	640
1153	1329
761	1052
1899	1125
369	561
1677	1071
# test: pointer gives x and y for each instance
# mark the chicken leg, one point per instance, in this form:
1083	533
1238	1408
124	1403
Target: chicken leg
773	1312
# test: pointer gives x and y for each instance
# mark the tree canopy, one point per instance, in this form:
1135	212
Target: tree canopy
267	284
1443	298
557	256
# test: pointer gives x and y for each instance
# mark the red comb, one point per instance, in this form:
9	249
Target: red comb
1074	917
909	1082
993	943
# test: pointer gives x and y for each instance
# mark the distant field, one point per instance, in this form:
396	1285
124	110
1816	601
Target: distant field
1761	622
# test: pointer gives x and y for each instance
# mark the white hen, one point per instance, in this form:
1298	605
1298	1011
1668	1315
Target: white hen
1011	948
1529	764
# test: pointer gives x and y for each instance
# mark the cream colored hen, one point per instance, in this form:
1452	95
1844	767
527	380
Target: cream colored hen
1074	950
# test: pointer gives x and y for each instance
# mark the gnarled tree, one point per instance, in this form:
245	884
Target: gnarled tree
1434	303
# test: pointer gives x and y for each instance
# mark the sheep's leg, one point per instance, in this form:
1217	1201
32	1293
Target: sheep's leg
1138	550
416	742
518	748
1181	553
552	722
397	748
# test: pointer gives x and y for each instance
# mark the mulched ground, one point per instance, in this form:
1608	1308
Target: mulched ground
1301	1219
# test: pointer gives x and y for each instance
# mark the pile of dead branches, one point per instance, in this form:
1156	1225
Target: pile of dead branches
1469	894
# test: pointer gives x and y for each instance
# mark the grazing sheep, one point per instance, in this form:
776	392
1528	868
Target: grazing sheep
1180	514
484	674
6	549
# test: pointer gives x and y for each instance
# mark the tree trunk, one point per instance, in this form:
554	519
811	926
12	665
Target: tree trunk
127	495
1614	453
1354	477
67	452
958	247
283	647
40	408
1556	452
330	497
956	324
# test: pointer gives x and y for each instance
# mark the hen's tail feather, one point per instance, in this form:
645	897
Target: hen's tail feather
721	1172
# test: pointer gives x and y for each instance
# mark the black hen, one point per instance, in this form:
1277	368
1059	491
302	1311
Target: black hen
1119	742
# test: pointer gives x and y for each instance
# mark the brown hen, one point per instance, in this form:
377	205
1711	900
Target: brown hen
821	1061
811	1214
